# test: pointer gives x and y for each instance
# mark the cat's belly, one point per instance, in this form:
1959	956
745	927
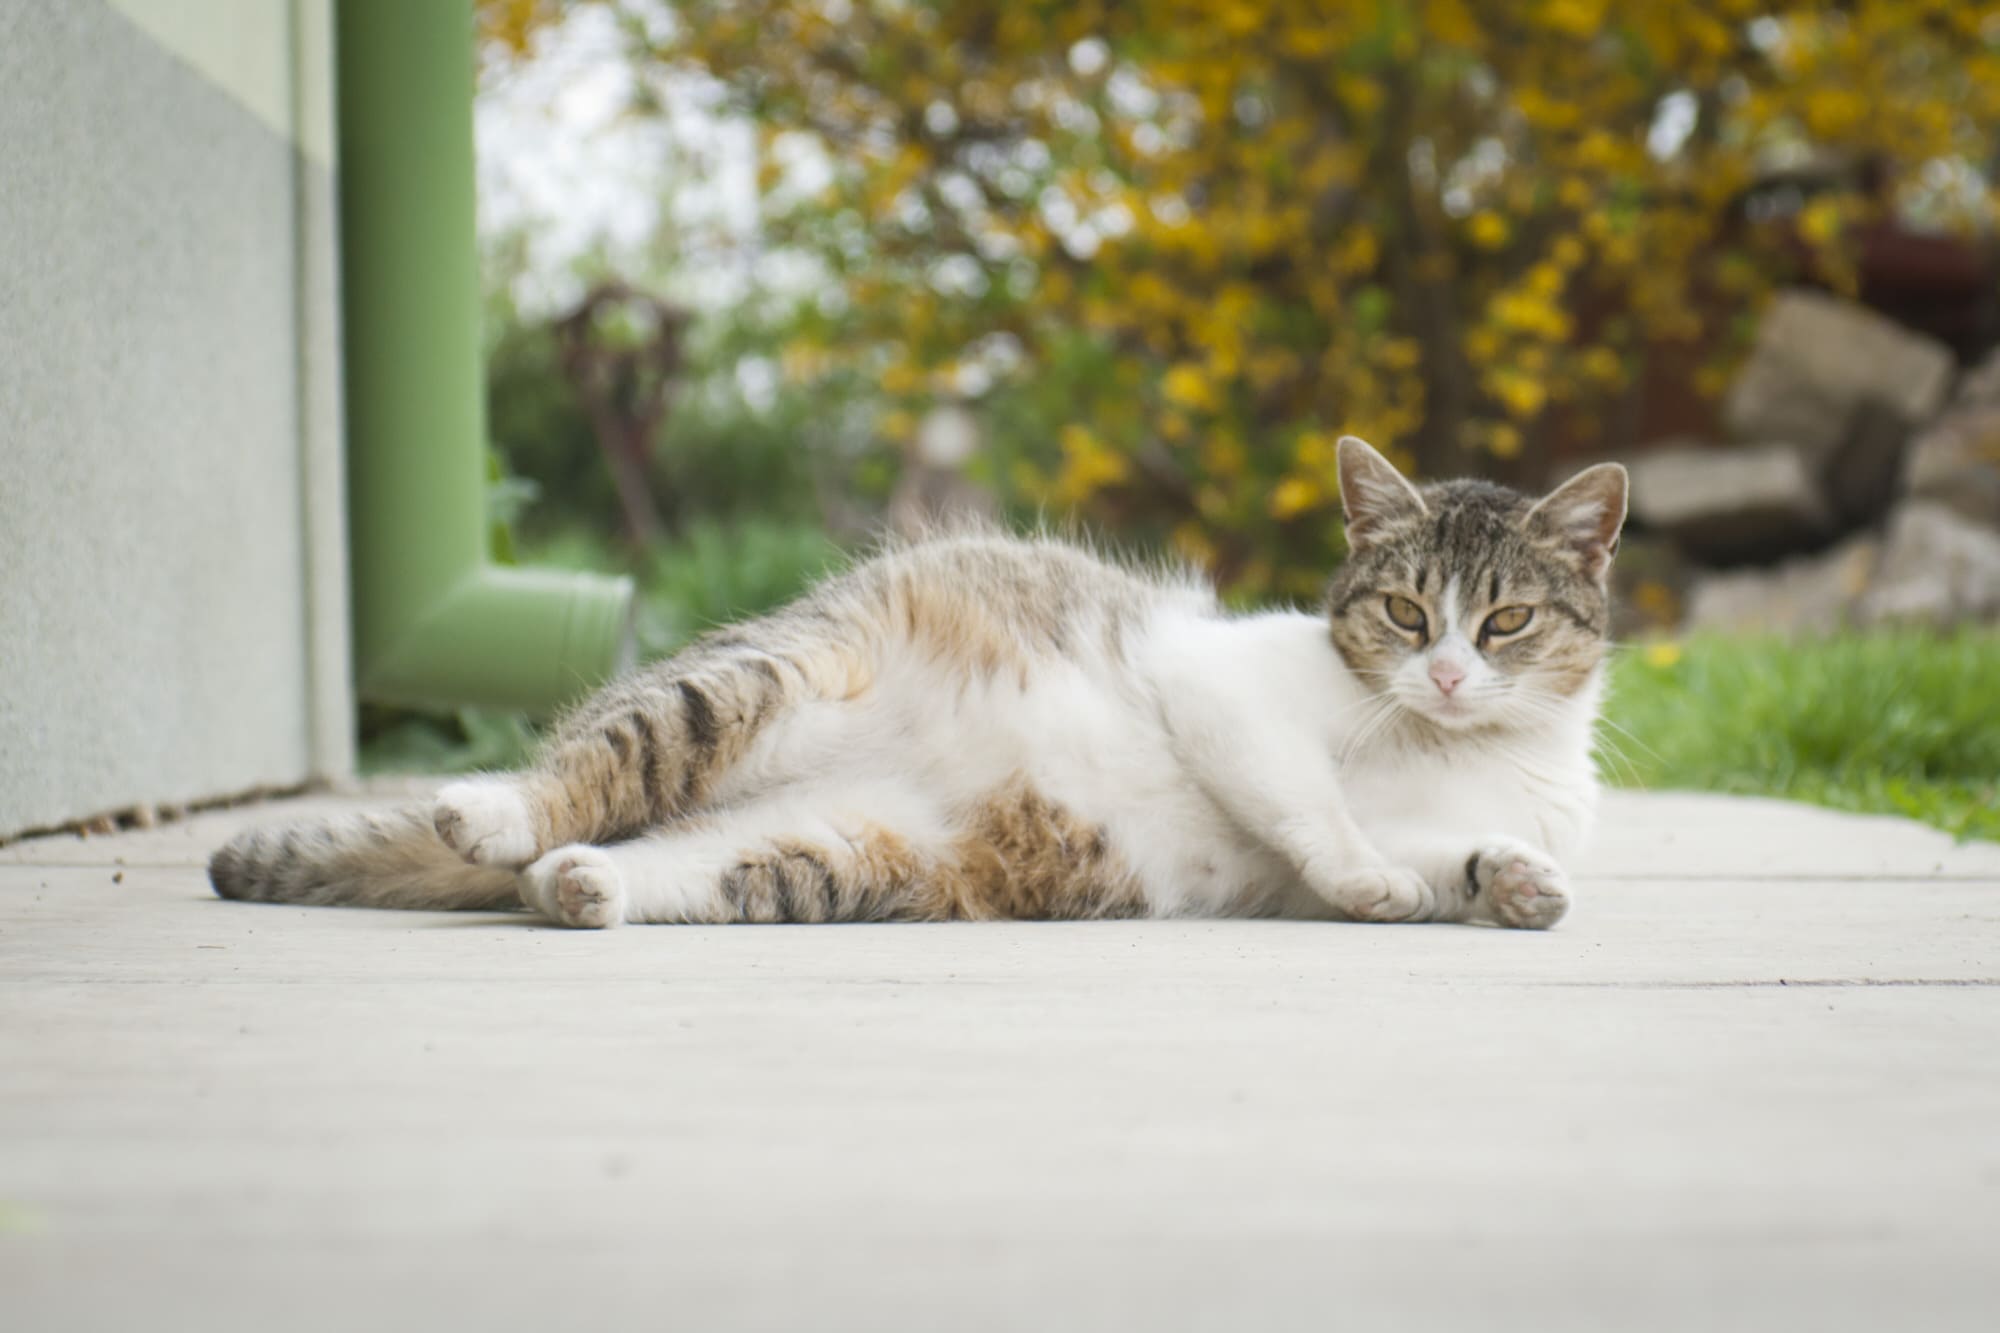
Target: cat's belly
1103	754
1088	744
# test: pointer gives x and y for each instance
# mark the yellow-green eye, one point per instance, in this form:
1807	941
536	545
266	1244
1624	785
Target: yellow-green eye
1405	613
1508	620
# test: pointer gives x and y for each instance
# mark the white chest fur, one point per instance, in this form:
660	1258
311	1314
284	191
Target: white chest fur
1533	791
1266	721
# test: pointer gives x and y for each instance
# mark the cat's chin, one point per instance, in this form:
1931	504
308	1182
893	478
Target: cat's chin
1454	714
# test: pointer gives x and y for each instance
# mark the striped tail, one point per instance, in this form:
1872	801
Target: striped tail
361	860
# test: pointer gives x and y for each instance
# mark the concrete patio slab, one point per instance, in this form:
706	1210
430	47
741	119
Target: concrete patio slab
1751	1083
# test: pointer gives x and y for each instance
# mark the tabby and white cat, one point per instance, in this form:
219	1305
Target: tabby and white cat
984	727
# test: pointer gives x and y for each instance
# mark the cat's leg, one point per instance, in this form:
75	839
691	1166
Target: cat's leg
1279	787
1497	879
862	853
644	751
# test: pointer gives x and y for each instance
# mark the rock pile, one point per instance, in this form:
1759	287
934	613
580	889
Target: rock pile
1864	488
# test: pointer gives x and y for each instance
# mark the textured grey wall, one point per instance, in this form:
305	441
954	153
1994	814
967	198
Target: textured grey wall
172	603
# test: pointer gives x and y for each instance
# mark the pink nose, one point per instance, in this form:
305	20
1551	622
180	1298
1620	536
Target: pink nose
1446	676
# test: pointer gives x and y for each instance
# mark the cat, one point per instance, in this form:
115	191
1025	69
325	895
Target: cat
989	727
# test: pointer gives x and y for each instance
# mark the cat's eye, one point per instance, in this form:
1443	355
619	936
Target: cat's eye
1405	613
1507	620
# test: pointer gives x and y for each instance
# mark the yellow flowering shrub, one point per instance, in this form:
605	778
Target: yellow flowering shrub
1193	241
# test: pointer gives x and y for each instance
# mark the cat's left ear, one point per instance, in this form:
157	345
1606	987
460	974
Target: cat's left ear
1583	516
1376	496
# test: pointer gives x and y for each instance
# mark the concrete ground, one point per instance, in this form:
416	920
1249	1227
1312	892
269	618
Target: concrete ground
1752	1082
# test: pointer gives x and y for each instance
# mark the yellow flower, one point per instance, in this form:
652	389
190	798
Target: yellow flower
1223	455
1834	111
1548	112
1522	395
1401	354
1712	381
1488	230
1573	18
1601	363
1663	654
1531	313
1822	220
1293	496
1362	95
1357	253
1088	466
1191	540
1187	386
1450	23
901	378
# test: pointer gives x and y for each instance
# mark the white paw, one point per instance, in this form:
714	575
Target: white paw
576	886
1381	893
486	821
1518	885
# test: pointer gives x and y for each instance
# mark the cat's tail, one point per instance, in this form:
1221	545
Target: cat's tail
358	860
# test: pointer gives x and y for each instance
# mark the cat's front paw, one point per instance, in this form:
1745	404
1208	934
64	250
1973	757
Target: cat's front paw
1380	893
486	821
576	886
1516	885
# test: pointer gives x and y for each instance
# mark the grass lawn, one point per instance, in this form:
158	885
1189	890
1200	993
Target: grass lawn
1899	723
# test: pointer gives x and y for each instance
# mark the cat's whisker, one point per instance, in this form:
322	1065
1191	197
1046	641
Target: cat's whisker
1383	708
1622	731
1544	706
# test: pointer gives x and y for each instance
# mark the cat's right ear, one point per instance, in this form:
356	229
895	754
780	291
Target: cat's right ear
1376	496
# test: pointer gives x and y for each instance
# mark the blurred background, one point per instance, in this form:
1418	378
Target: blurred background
303	461
765	277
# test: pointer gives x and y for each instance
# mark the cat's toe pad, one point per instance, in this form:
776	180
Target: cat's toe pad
1522	886
576	886
486	821
1381	893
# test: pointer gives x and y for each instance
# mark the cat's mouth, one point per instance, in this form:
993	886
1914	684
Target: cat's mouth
1451	711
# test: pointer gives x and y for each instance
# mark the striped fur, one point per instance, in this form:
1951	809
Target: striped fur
373	860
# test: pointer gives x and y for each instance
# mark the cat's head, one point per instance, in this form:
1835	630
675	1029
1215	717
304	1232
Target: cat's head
1469	604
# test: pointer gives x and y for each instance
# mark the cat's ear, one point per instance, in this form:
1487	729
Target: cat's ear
1375	495
1583	516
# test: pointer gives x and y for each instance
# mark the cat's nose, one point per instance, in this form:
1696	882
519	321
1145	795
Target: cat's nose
1446	676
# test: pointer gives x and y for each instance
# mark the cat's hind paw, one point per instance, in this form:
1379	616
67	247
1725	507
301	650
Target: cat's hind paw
486	821
1519	886
576	886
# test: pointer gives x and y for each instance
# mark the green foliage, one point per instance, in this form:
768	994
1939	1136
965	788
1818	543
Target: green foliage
1900	723
717	454
712	574
401	740
534	422
507	497
718	457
